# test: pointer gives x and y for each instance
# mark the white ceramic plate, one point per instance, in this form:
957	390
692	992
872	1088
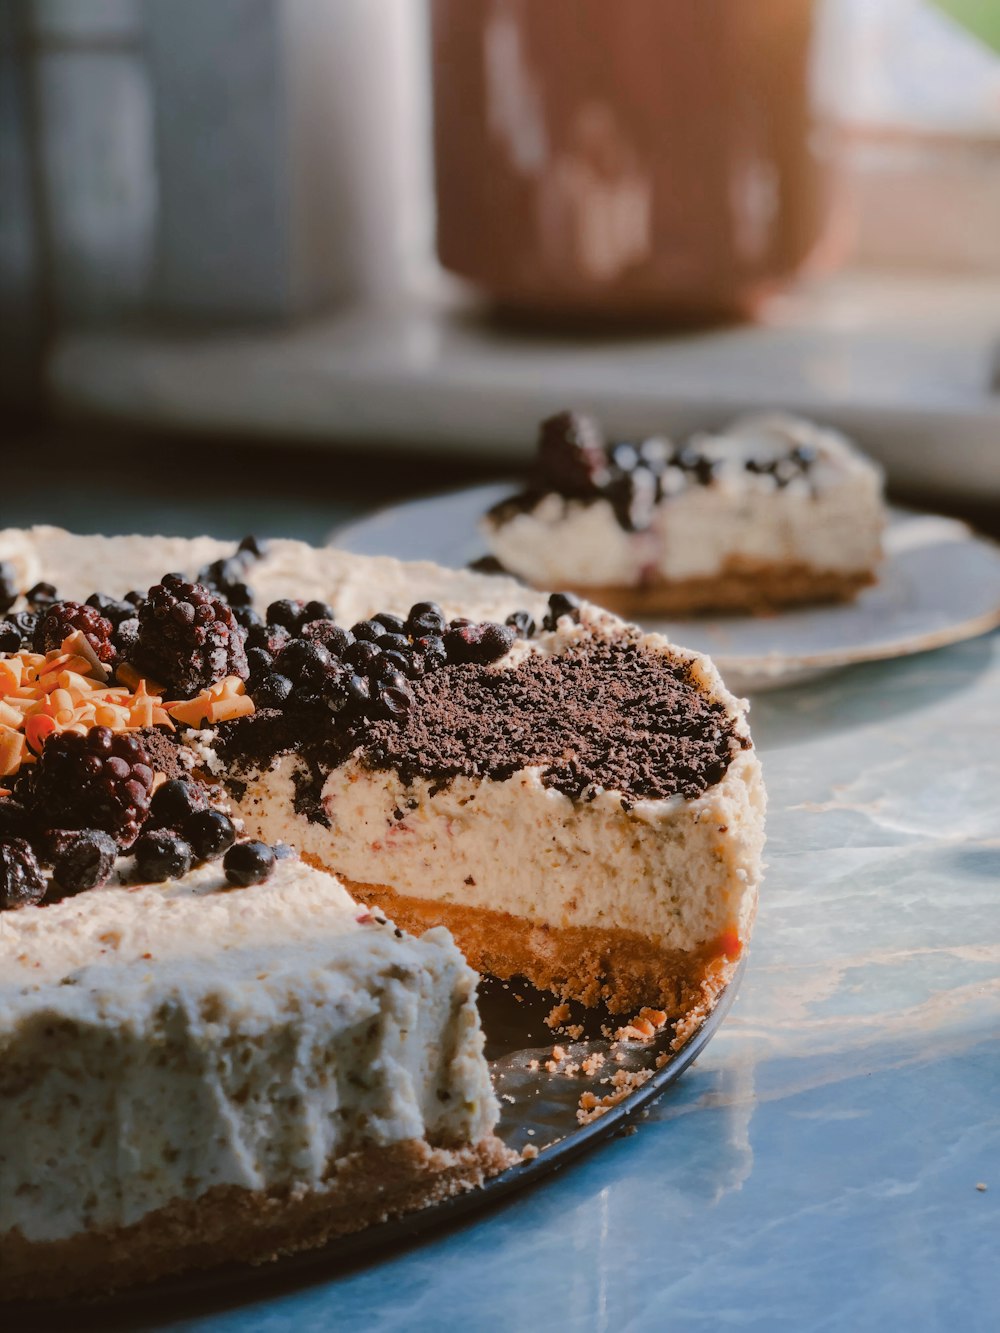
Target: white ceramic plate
939	584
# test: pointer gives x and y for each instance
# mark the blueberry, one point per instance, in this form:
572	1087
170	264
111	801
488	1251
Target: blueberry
390	663
361	654
25	622
42	595
136	598
8	585
303	660
161	855
175	802
391	624
624	456
318	611
111	608
562	604
10	638
210	833
425	618
271	690
260	661
286	613
431	650
522	623
394	702
331	636
270	637
358	689
248	863
248	617
252	546
81	860
283	851
393	642
478	643
367	631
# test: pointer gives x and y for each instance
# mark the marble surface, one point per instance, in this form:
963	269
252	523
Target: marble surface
817	1168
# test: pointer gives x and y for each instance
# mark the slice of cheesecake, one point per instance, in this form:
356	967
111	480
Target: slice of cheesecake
192	1073
773	511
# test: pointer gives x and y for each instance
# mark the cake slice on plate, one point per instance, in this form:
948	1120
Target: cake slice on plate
773	511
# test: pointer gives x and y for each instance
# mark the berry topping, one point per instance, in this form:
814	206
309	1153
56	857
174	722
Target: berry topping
271	690
13	817
161	855
189	638
329	634
101	780
10	637
21	881
81	859
63	618
425	619
227	579
287	613
478	643
175	802
247	617
390	624
562	604
522	623
572	458
111	608
318	611
210	833
41	596
8	585
24	622
272	638
367	631
248	863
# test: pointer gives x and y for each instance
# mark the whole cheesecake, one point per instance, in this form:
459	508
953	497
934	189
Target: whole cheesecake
578	802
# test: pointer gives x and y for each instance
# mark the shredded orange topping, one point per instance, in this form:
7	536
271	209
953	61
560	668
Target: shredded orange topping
42	693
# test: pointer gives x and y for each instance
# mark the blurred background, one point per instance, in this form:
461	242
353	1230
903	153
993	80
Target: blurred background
270	263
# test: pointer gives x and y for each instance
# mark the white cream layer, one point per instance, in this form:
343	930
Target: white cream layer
829	520
158	1041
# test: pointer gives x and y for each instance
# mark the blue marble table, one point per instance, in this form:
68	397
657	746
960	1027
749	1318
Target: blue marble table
819	1167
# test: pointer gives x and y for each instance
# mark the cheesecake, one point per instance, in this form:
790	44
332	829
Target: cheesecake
577	802
773	511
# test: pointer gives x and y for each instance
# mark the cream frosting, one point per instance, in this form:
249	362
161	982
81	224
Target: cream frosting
158	1041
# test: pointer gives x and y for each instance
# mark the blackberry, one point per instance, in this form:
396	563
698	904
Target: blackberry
22	883
478	643
161	855
10	638
175	802
96	781
111	608
562	604
209	833
62	618
287	613
425	618
572	457
522	623
248	863
41	596
8	585
270	691
189	638
81	859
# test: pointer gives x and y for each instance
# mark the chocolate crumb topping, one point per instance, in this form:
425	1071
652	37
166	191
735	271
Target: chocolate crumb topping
609	715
